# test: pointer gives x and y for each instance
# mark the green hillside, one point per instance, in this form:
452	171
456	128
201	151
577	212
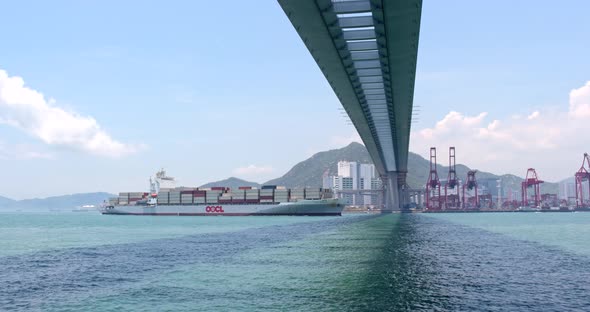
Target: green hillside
309	172
232	183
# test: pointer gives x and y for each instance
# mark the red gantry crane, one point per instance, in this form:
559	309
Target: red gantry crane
582	175
452	200
470	184
433	200
531	180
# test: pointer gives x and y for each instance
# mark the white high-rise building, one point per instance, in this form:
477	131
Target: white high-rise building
354	176
366	176
349	169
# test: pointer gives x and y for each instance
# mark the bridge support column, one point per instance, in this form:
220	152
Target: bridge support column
393	191
404	194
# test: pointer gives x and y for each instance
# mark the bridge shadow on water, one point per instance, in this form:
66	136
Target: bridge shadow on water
435	265
400	277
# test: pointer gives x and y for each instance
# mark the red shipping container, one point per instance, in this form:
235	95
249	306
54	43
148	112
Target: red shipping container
266	197
218	188
252	201
244	188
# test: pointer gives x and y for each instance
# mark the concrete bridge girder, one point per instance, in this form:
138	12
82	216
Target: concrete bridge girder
367	50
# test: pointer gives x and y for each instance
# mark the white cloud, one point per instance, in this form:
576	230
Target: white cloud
253	170
28	110
534	115
580	102
551	141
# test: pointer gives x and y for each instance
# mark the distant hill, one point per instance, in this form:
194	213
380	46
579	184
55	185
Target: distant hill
418	169
232	183
63	203
309	172
6	202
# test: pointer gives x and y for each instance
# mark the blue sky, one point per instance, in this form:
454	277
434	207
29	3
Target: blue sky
226	88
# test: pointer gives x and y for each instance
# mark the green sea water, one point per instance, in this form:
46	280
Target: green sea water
493	262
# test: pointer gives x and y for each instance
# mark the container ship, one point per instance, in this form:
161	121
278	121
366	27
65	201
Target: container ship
165	199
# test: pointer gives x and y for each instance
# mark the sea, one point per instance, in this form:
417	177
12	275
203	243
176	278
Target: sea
363	262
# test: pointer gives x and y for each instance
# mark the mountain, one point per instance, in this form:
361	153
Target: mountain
308	173
61	203
232	183
6	202
419	168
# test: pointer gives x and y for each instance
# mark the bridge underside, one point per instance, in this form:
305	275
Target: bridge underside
367	50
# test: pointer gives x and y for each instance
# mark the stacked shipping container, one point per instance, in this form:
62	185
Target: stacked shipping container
223	195
252	196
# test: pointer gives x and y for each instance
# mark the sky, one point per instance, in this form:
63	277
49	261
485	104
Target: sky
98	95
